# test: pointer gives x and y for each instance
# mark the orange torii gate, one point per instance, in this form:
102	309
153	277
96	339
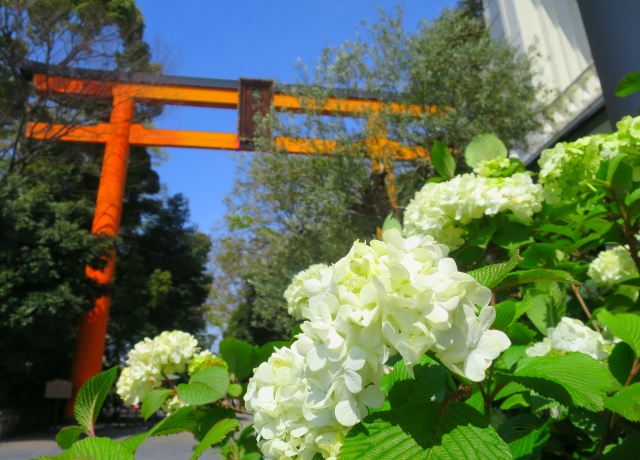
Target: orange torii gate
123	90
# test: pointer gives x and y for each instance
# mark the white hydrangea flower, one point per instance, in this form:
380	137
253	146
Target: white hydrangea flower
296	295
439	208
565	168
612	267
150	360
393	296
571	335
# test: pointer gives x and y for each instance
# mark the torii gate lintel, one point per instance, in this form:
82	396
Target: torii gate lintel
125	90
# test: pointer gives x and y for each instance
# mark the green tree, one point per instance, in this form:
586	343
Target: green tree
161	281
288	212
48	191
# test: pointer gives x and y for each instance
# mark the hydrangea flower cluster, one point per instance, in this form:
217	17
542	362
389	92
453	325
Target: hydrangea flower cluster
151	361
296	296
392	296
565	167
612	266
439	208
572	335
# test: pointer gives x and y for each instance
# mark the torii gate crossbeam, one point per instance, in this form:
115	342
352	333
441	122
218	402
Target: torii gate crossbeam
124	91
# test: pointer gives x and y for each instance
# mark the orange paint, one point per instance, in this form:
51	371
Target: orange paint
119	134
92	330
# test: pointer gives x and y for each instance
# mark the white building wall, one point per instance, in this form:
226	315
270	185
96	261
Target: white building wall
555	28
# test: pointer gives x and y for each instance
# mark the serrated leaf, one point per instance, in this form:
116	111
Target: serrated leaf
546	312
424	431
198	394
510	389
154	401
534	276
430	383
67	436
96	448
215	435
528	447
239	356
516	400
629	84
626	402
491	275
212	416
574	379
91	397
591	423
625	326
214	376
520	334
184	419
505	315
442	160
484	147
621	362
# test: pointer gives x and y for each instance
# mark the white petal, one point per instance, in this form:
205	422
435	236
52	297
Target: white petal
499	337
353	381
475	367
487	317
317	358
447	266
356	360
371	397
347	413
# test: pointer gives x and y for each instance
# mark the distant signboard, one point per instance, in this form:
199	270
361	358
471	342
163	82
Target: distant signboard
58	389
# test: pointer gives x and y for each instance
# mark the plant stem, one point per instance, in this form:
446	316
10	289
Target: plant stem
576	290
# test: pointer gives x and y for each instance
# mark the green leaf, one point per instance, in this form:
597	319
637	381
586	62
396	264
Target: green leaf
391	222
629	84
622	180
239	356
210	418
491	275
540	255
520	334
430	383
621	362
546	312
505	315
613	166
235	390
205	387
534	276
96	448
625	326
197	394
67	436
184	419
510	389
91	397
529	447
592	423
627	450
154	401
215	434
484	147
442	160
626	402
574	379
425	431
514	401
632	197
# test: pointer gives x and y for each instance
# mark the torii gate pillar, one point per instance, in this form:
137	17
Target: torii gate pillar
92	330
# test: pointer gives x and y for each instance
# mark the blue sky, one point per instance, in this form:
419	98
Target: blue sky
253	39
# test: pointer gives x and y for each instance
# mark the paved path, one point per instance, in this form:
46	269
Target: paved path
175	447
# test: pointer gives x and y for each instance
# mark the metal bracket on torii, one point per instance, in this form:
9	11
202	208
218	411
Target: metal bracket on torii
248	96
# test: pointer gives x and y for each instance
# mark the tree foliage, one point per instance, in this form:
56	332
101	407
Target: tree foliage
287	212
